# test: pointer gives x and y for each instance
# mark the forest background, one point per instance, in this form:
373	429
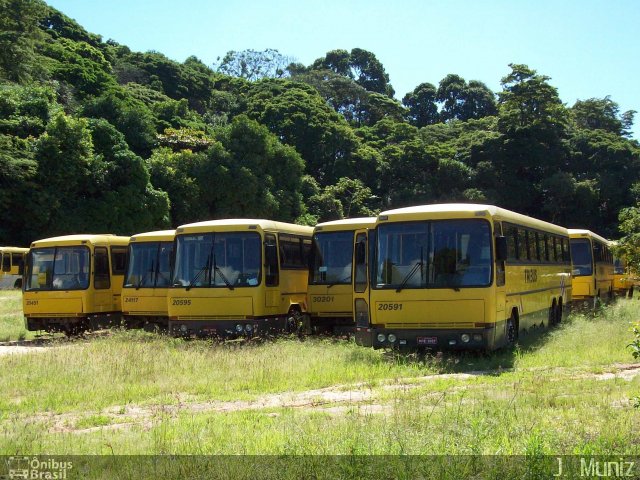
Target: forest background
95	137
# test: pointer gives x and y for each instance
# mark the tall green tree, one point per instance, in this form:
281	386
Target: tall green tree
19	36
422	106
361	66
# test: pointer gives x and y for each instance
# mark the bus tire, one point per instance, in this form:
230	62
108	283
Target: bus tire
294	320
552	314
559	312
511	333
18	284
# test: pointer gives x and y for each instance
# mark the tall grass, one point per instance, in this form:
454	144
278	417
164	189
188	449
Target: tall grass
11	320
543	397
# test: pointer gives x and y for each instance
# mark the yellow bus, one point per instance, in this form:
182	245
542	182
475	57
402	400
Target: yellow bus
592	266
622	278
460	276
12	261
239	277
74	282
330	297
147	279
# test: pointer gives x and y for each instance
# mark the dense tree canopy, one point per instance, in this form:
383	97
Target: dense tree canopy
96	137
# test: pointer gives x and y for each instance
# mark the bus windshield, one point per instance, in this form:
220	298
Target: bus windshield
58	268
581	257
218	260
433	254
332	255
149	265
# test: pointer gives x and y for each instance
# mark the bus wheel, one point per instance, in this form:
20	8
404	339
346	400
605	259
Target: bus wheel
552	315
18	284
512	330
294	321
559	313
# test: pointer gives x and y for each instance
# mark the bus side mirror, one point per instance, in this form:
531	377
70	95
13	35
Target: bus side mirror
501	249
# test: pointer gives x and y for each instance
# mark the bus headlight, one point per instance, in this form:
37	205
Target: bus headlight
183	328
465	337
248	327
239	328
381	337
477	337
391	337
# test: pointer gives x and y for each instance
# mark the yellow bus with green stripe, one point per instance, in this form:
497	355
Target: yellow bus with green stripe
330	297
238	278
148	276
460	276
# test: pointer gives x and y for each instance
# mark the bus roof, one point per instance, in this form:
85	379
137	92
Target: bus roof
160	235
241	224
346	224
466	210
67	240
13	250
580	233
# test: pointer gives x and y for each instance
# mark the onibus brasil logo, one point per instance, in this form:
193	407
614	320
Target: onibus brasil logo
35	468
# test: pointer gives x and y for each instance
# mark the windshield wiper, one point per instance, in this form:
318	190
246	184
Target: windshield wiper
216	269
419	264
345	279
204	268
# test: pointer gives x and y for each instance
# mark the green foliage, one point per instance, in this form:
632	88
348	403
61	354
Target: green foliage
634	346
26	110
359	65
19	36
602	114
130	116
80	65
464	101
145	141
422	105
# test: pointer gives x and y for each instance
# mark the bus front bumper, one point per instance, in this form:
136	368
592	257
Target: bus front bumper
227	329
433	339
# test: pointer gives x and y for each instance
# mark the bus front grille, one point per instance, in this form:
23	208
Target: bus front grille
440	325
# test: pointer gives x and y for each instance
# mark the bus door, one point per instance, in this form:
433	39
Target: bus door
102	298
361	289
271	274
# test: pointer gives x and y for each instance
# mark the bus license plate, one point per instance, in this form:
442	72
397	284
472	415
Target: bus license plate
427	340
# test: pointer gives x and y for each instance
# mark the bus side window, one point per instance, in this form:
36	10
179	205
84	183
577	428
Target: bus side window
272	278
500	264
101	277
360	281
512	244
118	260
6	262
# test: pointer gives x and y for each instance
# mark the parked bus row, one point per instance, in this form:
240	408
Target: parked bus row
457	276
